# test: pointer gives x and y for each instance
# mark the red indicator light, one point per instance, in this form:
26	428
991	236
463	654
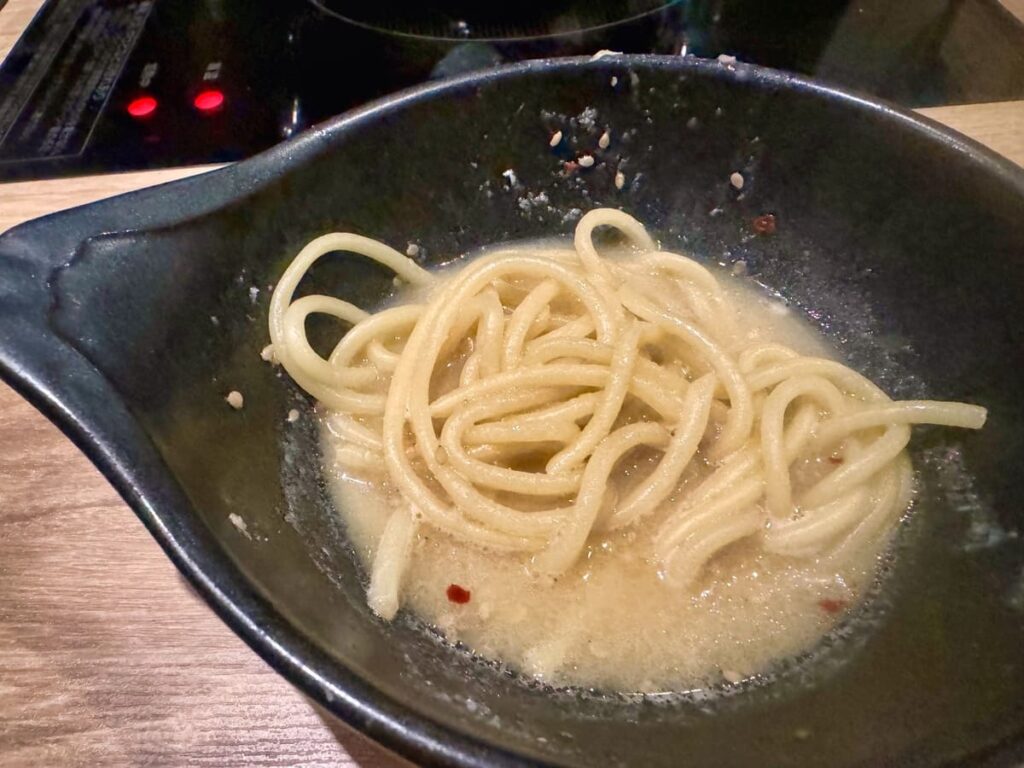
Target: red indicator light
142	106
207	101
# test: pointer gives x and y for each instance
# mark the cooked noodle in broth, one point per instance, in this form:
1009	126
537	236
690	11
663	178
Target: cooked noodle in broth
636	474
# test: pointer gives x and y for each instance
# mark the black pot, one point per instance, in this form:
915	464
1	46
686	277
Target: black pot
128	321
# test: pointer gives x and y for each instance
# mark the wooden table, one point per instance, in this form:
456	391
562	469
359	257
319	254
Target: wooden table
106	655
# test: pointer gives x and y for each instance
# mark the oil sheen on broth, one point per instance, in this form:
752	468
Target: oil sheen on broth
611	621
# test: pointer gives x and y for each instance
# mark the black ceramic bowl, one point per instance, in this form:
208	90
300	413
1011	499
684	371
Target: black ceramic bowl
128	321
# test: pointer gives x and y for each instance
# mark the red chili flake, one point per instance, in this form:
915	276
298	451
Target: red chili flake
570	166
828	605
836	459
457	594
765	225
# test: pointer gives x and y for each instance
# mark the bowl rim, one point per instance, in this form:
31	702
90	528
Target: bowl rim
27	347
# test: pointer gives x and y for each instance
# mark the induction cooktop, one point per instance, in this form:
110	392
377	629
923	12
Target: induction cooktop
109	85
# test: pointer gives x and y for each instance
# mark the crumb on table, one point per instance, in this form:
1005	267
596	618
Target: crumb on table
239	523
235	399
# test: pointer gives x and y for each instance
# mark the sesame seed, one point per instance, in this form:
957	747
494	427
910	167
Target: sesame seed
736	179
412	250
556	139
620	180
585	161
235	399
605	140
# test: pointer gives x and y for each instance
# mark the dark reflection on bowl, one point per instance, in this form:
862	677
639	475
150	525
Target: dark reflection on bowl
128	321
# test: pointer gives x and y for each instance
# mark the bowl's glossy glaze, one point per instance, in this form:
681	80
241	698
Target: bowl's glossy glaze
128	321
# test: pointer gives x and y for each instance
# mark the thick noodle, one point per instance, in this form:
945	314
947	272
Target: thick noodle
501	404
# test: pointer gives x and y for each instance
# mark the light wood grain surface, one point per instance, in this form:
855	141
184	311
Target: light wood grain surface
999	126
14	17
106	655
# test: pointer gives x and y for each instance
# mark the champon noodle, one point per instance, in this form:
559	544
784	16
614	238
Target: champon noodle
609	468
